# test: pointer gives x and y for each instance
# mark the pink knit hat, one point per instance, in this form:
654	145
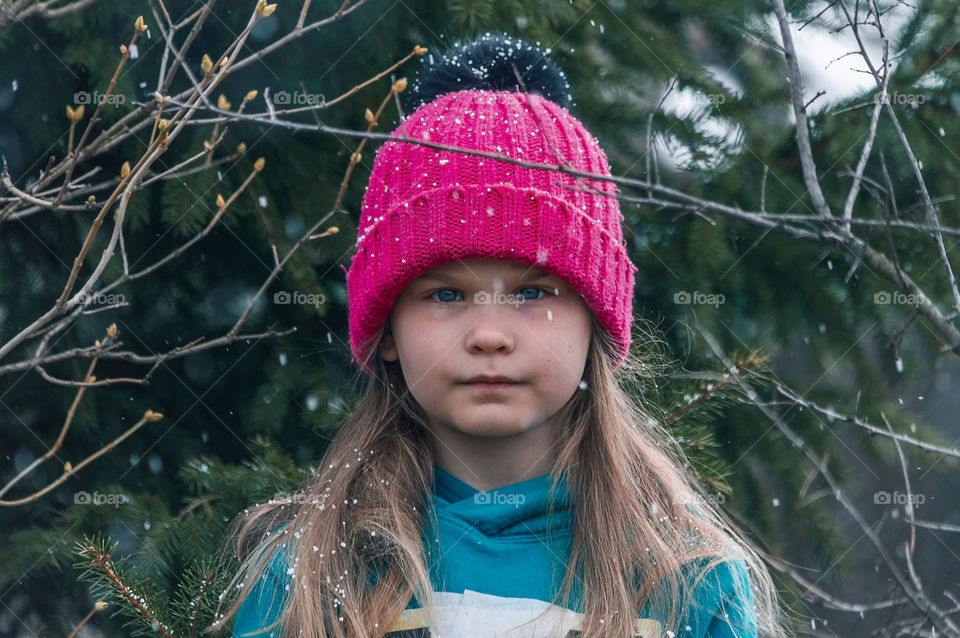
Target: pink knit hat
425	207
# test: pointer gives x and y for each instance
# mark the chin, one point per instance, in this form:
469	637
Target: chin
494	430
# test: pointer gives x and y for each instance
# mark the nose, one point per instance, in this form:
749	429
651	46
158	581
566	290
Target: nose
490	329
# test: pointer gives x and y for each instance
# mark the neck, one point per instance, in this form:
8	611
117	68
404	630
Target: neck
490	463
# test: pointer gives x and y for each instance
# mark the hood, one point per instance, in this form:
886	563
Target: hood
511	512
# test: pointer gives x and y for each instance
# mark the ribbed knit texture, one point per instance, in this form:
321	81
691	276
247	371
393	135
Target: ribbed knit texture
425	207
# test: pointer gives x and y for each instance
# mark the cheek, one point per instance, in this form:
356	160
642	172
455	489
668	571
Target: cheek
421	338
572	322
575	341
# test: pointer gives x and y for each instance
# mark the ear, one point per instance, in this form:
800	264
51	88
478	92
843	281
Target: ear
388	347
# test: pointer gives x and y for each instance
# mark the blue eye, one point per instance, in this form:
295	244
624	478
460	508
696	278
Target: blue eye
443	290
540	293
534	288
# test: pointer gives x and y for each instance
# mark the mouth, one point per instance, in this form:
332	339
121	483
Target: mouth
491	386
487	383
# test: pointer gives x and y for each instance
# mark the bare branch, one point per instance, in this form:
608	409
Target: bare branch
937	616
867	146
796	96
69	470
914	164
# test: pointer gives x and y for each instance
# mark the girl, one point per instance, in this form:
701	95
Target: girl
495	478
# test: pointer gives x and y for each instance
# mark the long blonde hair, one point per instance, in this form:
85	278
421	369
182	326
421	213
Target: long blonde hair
352	542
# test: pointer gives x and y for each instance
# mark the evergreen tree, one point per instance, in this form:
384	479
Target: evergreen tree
245	416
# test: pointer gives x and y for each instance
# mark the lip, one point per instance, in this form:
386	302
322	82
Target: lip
489	383
488	378
487	386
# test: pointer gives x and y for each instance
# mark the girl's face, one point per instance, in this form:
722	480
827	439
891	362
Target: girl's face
490	317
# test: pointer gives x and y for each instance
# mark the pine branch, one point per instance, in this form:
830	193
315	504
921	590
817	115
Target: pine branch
709	389
104	570
196	612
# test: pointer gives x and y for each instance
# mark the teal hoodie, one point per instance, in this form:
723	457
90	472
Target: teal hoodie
495	563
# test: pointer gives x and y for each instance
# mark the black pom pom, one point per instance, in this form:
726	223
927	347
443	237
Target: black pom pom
491	62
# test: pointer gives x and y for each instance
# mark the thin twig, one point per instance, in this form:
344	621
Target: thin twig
807	164
60	437
867	146
70	470
937	616
914	164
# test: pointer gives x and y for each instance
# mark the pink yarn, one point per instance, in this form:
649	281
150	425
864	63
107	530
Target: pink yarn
425	207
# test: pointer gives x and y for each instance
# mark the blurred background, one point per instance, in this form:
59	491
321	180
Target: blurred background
690	95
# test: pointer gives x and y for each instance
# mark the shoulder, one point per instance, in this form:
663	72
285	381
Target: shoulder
722	603
263	606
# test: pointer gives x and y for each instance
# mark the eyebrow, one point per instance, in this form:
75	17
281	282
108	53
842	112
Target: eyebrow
528	275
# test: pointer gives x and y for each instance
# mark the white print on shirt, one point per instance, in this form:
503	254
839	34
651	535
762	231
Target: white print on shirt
476	615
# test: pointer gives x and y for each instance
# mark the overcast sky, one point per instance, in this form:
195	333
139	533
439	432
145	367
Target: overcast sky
829	61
